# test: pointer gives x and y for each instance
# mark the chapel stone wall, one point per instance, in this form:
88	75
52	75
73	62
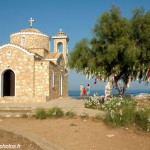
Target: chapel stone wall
42	78
55	91
23	67
65	84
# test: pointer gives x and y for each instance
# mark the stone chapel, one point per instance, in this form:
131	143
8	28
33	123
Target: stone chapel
30	71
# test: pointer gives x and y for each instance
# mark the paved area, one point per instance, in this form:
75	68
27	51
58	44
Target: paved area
75	104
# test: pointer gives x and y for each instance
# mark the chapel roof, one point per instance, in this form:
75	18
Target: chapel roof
53	55
31	30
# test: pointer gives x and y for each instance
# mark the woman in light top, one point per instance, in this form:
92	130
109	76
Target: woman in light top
88	90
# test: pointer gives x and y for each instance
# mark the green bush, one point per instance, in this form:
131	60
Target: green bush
142	119
70	114
24	116
120	111
55	112
40	114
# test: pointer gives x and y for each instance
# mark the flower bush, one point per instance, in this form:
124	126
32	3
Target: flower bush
94	102
120	111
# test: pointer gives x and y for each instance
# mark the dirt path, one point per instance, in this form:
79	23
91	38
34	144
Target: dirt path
9	140
79	134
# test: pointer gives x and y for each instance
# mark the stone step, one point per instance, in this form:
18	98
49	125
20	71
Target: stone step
15	111
14	114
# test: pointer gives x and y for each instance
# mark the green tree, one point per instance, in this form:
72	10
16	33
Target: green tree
117	49
140	27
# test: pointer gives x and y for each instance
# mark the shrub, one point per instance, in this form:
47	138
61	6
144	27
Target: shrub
119	111
142	119
94	102
55	112
24	115
70	114
40	114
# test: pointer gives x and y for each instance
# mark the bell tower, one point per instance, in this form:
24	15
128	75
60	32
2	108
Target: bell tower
61	44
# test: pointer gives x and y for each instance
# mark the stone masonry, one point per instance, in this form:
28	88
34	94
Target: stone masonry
29	71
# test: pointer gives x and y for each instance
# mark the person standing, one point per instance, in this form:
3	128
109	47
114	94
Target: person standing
88	90
81	90
84	92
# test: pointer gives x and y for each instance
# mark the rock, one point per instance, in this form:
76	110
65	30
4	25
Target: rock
110	135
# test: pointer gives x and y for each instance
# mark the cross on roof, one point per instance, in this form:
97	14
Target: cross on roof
60	30
31	20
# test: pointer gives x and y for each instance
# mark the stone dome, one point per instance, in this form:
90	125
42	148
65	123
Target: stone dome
31	38
31	30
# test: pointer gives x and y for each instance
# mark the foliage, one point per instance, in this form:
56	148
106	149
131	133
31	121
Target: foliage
79	57
24	116
70	114
94	102
120	48
55	112
140	25
40	114
142	119
120	111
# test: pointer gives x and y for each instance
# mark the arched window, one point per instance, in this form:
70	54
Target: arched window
23	41
53	79
60	47
60	85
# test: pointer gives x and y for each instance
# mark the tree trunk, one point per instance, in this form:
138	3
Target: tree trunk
108	90
120	88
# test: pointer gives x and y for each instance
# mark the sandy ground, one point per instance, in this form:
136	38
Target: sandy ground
68	134
9	140
77	134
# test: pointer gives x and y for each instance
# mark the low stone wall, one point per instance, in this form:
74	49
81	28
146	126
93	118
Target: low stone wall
23	99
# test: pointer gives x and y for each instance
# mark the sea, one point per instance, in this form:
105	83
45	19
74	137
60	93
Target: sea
101	92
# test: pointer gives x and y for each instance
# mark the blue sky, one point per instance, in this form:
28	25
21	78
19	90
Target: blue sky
75	17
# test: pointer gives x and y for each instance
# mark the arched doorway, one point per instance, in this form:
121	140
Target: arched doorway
8	83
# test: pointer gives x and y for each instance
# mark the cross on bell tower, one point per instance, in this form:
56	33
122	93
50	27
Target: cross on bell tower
31	21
